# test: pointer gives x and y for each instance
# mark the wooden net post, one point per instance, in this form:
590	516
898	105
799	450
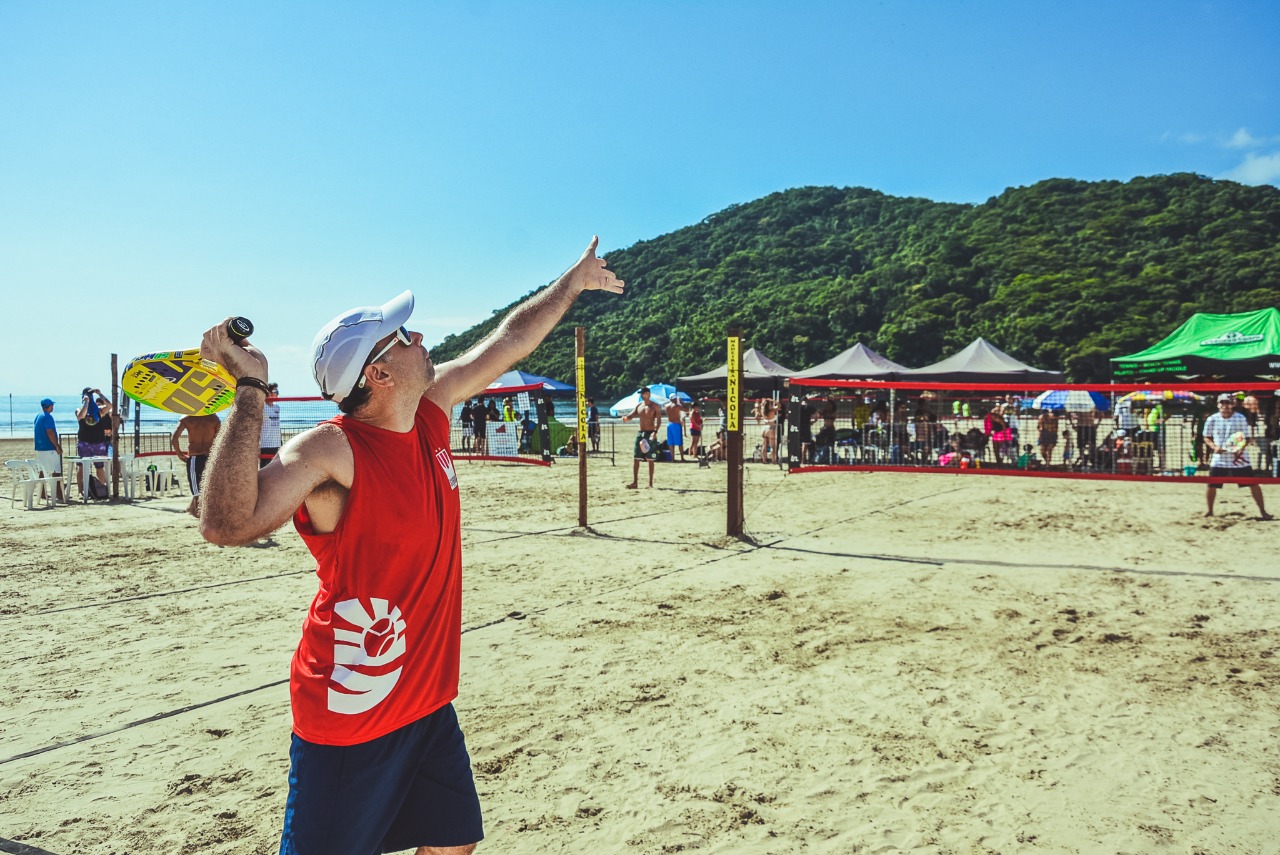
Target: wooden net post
795	412
733	431
115	427
580	337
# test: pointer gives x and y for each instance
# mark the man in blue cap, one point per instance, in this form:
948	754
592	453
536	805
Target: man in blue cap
48	447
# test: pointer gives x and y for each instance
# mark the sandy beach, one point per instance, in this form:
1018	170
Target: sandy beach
890	663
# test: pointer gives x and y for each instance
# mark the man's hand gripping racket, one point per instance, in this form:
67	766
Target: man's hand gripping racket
198	381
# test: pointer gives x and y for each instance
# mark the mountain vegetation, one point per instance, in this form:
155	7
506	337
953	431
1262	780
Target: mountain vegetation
1063	274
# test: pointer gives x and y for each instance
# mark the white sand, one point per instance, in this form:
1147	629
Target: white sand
930	663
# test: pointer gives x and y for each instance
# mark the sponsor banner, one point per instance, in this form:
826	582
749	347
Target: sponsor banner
1230	338
582	398
733	383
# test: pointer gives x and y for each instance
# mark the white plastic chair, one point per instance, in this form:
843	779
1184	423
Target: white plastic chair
177	476
155	477
132	476
70	486
26	474
161	474
50	483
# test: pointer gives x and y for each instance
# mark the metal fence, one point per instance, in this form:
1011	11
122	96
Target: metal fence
915	428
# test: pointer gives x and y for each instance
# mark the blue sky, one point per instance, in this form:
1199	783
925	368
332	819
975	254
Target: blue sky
163	165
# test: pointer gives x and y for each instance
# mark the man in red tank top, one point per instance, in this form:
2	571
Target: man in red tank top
378	762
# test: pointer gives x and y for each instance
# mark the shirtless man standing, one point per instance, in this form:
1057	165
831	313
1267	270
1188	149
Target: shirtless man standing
1048	425
675	427
650	414
1086	434
200	432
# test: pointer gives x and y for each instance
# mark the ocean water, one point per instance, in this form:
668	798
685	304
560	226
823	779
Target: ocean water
25	408
18	415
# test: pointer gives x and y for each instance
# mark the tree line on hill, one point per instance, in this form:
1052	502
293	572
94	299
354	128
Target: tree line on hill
1063	274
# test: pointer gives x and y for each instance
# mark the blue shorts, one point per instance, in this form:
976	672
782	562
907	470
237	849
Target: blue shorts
410	788
93	449
675	436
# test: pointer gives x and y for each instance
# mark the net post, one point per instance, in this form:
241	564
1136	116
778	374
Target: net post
733	430
580	343
137	429
793	428
547	410
115	432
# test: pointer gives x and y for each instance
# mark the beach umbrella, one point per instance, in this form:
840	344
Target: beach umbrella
1155	396
1071	401
522	381
659	393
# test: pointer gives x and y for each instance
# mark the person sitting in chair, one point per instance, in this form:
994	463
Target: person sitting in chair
955	455
570	448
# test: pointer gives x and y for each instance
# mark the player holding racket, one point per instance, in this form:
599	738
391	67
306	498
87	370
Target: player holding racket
1225	434
378	762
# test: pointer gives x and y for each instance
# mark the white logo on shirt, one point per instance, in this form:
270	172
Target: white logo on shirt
446	463
379	641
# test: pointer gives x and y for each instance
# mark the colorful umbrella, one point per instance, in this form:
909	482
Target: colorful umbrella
1149	396
521	381
1071	400
660	393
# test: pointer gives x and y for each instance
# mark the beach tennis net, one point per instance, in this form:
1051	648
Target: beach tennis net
532	439
1103	431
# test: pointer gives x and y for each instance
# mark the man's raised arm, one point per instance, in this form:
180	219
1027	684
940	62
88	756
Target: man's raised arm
238	501
521	331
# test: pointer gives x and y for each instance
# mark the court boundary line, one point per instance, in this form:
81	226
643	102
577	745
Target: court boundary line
13	847
504	535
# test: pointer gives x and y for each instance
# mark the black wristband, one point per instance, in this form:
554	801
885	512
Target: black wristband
255	383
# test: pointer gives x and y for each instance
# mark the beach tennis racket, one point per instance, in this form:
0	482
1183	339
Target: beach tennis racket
180	381
1237	442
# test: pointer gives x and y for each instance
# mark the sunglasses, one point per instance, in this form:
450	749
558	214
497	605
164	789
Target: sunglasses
402	337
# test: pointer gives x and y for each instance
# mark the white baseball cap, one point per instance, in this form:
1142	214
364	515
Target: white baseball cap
342	345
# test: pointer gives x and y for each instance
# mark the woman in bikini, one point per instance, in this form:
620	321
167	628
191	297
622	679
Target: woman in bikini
769	436
1048	425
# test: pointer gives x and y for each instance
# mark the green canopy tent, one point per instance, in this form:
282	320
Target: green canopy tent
1241	345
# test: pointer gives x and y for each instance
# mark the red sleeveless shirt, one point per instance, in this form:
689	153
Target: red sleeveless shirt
380	644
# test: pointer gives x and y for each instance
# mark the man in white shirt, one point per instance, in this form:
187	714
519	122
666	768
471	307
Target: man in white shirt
1228	461
1125	418
270	441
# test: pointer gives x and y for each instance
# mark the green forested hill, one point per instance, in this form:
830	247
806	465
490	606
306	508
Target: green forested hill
1063	274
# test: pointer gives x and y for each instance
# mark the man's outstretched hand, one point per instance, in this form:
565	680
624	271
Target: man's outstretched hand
594	273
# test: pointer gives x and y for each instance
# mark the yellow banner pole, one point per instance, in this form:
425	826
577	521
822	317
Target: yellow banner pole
733	430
